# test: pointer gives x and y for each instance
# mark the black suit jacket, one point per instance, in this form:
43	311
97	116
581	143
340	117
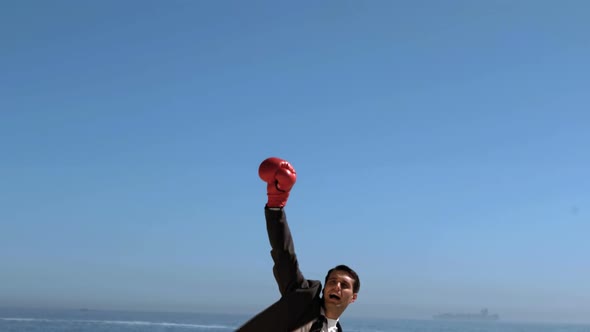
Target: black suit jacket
301	300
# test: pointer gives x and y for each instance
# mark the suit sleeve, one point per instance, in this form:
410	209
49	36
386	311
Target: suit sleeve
286	267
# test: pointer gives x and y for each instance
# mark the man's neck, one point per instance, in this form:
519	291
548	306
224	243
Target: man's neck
332	314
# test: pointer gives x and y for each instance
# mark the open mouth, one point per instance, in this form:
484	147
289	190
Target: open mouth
334	296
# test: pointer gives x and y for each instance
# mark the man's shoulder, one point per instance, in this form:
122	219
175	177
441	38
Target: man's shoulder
311	284
311	287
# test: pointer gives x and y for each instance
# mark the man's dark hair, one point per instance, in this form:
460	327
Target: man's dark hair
351	273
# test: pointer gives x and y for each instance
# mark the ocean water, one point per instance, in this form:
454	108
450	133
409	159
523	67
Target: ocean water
19	320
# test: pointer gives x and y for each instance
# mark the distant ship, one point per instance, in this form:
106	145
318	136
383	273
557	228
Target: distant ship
482	316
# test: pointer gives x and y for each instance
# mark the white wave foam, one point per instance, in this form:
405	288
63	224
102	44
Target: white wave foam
119	322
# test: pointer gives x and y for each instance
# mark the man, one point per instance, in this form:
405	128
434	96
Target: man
303	306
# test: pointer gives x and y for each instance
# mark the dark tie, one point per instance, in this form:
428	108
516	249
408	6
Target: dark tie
318	325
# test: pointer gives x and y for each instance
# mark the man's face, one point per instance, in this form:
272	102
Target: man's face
338	290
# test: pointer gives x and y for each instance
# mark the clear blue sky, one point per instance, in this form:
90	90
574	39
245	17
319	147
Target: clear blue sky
442	149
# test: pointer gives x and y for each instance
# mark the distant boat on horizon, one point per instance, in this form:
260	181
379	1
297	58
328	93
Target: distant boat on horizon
483	315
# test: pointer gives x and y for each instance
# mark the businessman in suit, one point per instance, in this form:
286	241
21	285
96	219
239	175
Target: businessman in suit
304	306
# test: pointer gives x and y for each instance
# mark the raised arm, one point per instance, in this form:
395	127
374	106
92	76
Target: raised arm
286	267
280	177
300	300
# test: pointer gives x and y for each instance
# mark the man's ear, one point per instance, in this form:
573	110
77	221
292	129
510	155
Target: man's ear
353	297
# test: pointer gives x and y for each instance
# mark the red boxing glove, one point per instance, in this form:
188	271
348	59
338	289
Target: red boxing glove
280	177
